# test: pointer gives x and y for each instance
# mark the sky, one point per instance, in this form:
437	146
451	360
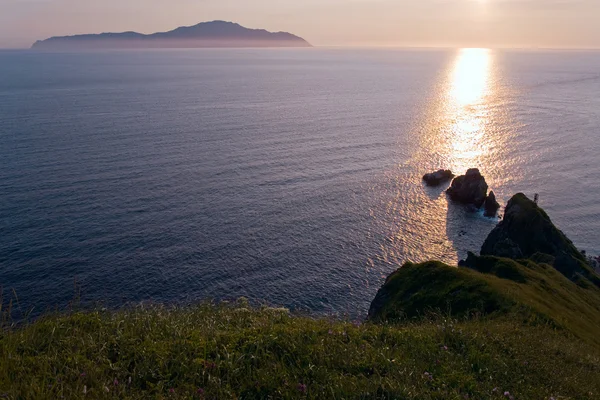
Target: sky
418	23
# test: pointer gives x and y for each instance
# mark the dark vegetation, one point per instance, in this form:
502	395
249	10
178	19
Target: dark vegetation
493	328
528	232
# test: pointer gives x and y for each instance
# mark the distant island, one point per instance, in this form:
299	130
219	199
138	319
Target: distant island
203	35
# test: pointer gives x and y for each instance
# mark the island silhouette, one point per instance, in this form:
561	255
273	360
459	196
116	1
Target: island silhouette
205	34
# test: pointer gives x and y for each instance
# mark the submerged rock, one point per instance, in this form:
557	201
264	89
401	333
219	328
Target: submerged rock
469	189
491	205
527	232
438	177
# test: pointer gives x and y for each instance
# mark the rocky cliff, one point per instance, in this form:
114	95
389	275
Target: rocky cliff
527	267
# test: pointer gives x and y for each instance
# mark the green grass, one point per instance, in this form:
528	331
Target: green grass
494	329
231	351
439	332
492	286
416	289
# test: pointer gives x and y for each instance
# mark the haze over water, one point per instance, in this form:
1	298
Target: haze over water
289	176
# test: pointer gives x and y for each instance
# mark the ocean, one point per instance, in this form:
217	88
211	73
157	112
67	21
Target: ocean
291	177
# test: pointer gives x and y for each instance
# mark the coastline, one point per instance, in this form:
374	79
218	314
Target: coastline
487	329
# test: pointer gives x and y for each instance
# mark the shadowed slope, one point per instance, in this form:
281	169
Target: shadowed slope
527	232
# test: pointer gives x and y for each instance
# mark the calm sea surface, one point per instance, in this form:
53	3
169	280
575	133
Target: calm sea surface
287	176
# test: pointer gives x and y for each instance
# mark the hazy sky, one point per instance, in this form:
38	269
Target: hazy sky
481	23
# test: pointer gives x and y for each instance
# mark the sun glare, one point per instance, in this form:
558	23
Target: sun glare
458	133
469	87
470	76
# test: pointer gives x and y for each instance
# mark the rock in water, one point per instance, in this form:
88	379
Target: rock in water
491	205
438	177
527	232
469	189
525	252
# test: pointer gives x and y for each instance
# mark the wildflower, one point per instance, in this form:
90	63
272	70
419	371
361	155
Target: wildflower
330	332
495	389
171	390
116	382
200	391
302	388
82	374
507	394
210	365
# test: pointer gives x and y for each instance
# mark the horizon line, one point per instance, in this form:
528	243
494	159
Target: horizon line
338	46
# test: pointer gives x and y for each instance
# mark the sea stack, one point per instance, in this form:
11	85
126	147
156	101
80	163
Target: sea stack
470	188
438	177
491	205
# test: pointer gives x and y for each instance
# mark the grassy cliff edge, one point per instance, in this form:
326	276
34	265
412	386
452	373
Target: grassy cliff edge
520	322
231	352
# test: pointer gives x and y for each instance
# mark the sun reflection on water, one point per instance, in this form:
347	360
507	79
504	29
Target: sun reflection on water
470	85
459	130
470	77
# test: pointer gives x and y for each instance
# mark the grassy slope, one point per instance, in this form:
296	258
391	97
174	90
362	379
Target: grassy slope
523	328
234	352
493	286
